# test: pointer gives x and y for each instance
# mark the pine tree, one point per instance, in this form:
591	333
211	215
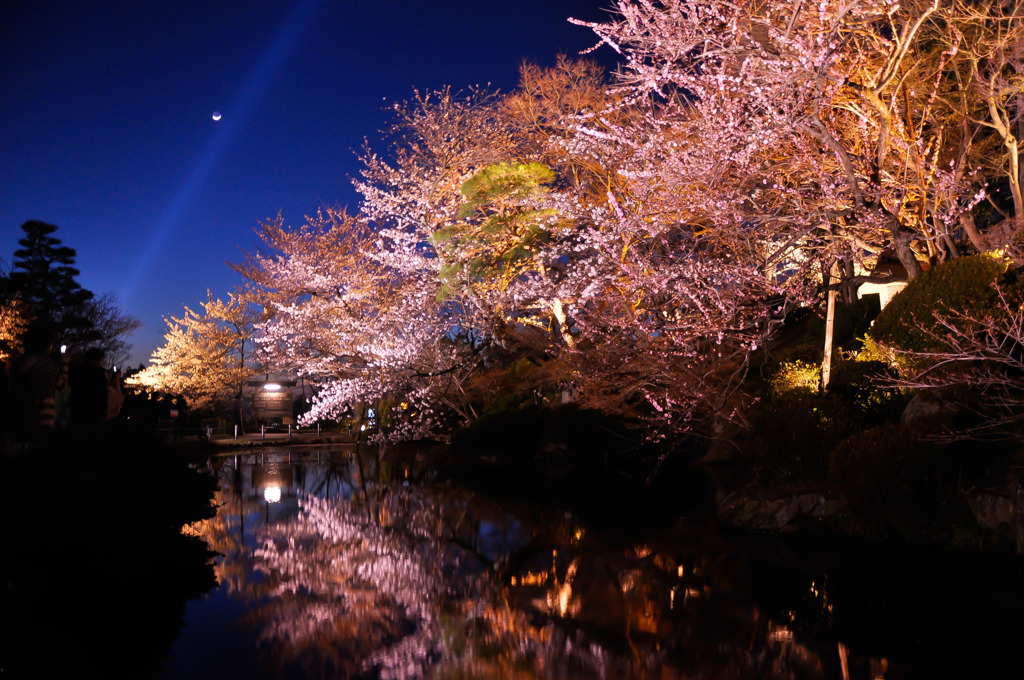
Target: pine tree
44	276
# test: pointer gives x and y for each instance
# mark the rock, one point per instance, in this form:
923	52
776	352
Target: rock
928	406
784	514
993	510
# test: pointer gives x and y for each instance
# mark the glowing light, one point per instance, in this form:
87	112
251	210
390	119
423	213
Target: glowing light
272	387
272	494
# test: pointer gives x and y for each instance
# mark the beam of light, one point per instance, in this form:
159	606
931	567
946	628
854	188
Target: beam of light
248	96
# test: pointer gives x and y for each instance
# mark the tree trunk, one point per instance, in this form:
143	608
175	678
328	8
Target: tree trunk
559	314
969	226
901	238
849	291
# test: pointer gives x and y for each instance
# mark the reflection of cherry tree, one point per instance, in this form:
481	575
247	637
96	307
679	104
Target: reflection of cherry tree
404	583
386	582
343	563
224	533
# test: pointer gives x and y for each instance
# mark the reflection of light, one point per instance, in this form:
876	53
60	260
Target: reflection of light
362	428
272	387
272	494
564	593
532	579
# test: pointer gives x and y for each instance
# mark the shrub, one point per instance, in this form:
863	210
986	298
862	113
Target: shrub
793	432
796	375
964	285
856	382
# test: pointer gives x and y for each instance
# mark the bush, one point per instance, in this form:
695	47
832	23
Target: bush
793	433
790	368
964	285
856	383
796	375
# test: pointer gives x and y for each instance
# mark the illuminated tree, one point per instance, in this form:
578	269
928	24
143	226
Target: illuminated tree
206	356
985	104
832	107
350	314
14	320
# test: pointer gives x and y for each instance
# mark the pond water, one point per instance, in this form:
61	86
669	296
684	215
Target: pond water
331	567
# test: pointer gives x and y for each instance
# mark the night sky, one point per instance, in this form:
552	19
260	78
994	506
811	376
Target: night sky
106	127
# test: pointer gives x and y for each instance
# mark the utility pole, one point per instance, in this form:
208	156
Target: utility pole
830	320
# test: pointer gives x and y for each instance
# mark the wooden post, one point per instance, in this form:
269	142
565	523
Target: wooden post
830	318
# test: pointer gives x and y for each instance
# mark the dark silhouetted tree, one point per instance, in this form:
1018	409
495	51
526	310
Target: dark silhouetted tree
42	284
44	275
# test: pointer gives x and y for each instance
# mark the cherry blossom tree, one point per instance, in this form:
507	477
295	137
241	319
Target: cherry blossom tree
207	355
650	236
829	107
566	226
346	311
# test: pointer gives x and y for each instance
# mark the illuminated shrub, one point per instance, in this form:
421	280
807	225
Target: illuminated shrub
796	367
964	285
796	375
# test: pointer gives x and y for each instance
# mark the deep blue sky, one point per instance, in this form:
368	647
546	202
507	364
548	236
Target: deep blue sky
106	123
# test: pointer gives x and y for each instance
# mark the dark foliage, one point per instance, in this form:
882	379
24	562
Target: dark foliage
856	382
44	275
96	571
580	459
792	434
899	486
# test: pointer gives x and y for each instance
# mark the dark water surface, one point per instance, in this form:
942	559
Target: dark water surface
333	568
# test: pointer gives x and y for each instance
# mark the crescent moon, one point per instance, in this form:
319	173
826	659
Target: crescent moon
216	115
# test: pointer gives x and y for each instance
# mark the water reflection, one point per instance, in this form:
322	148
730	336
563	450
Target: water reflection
344	575
345	569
